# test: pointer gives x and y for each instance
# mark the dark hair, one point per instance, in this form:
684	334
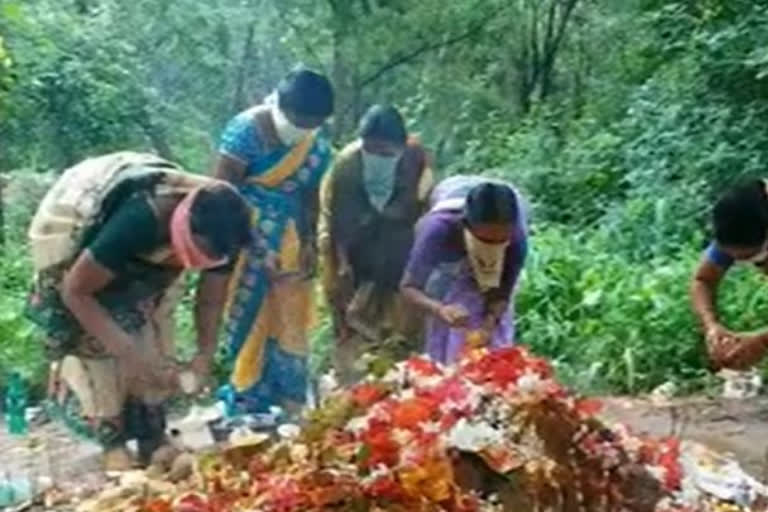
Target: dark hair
383	122
741	215
305	93
222	217
491	203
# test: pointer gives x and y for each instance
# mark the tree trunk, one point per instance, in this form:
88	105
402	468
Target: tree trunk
239	100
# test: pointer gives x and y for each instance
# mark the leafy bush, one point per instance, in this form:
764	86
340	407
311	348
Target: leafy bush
617	323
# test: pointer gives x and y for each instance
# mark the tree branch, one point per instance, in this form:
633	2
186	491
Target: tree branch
568	10
308	47
399	60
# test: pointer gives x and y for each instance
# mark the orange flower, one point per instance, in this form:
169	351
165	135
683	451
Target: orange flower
157	505
365	395
432	480
476	338
409	414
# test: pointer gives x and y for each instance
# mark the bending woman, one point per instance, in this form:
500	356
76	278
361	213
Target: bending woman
370	202
740	221
466	259
276	156
109	241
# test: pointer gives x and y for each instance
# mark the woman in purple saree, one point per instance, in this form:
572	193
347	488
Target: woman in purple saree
468	253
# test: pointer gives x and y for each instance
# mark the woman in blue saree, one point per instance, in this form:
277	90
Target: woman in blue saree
276	155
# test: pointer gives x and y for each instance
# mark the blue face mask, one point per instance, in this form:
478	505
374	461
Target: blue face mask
379	177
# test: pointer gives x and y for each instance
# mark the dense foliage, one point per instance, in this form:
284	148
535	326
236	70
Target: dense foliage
620	119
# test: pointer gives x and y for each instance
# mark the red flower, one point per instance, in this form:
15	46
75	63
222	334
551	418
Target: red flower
386	488
451	389
381	448
587	407
669	459
500	367
192	502
285	495
539	366
157	505
422	366
365	395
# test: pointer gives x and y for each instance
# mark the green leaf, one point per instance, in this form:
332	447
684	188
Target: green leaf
10	11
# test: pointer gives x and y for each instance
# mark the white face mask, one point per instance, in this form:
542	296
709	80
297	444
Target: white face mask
288	133
760	257
379	177
486	260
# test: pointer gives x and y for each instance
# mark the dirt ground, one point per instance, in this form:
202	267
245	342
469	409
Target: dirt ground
736	427
739	427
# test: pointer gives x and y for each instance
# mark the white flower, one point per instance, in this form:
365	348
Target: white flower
427	381
475	437
358	424
328	384
431	427
379	471
401	436
657	472
531	384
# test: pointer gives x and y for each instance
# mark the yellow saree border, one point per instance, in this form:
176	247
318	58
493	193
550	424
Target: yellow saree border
285	315
287	165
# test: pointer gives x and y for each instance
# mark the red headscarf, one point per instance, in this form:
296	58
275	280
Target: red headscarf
182	241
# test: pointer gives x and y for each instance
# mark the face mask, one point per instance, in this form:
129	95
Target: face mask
184	247
760	257
379	177
288	133
486	260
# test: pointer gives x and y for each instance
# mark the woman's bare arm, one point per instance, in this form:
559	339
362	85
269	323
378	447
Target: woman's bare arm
230	169
422	300
210	298
704	284
82	282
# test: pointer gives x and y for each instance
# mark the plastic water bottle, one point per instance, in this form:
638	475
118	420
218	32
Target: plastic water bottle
16	405
14	490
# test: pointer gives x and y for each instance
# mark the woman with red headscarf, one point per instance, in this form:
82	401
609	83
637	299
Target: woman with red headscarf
109	242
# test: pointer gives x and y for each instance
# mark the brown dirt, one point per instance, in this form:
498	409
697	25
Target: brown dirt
736	427
48	450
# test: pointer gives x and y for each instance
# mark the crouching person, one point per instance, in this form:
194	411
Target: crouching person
109	242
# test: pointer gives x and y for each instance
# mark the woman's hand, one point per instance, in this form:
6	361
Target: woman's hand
454	315
745	352
720	342
149	372
201	364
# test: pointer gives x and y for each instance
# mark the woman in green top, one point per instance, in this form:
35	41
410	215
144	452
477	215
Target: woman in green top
109	242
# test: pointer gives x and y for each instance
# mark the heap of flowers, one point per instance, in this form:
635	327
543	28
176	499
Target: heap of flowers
495	432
